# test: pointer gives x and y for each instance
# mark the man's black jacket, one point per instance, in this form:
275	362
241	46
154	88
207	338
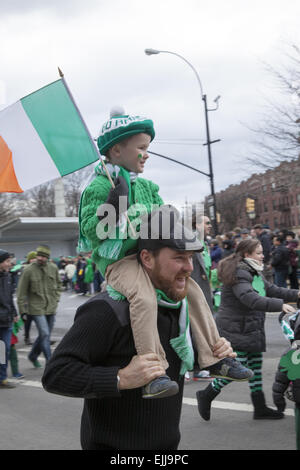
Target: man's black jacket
280	258
7	308
85	364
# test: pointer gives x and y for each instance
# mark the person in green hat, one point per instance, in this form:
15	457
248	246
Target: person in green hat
38	294
31	257
124	141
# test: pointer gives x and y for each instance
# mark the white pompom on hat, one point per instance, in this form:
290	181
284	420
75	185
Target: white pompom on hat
117	111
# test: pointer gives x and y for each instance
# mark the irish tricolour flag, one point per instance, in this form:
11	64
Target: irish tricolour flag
42	137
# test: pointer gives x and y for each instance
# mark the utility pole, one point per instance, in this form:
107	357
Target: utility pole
211	173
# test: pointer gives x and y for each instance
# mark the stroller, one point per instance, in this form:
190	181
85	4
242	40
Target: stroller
287	379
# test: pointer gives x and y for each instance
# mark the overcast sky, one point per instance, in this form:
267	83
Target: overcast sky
100	45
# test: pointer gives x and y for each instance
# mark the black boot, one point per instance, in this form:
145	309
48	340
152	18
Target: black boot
261	411
204	399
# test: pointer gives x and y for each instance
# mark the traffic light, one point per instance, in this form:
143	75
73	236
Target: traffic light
250	205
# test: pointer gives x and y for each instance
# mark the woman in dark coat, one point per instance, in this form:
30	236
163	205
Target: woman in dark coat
245	298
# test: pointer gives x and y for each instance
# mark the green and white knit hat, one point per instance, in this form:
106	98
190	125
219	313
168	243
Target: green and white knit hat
120	126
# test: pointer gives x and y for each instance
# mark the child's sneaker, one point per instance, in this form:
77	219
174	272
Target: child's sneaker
6	384
161	387
230	369
18	375
187	378
202	375
36	363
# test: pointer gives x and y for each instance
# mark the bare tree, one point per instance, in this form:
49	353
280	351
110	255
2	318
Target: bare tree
74	184
231	204
39	201
277	137
6	208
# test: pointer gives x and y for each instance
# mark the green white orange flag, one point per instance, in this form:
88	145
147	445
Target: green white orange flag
42	137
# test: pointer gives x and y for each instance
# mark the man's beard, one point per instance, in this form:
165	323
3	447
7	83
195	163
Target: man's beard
41	262
166	286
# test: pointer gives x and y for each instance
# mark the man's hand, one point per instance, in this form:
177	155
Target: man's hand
286	308
223	349
140	371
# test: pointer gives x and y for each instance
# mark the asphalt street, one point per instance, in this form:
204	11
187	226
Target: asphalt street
34	419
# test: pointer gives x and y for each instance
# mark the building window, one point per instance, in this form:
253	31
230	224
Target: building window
274	204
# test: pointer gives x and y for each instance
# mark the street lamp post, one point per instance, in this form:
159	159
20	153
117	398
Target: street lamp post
209	142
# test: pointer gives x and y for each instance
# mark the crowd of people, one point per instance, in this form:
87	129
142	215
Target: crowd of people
280	249
37	298
79	274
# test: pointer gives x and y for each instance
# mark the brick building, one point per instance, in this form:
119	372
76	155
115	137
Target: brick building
276	195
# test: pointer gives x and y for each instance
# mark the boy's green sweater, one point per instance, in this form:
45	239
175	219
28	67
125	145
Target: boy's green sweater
143	192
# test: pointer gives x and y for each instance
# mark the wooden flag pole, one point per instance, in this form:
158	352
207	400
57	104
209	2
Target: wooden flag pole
61	74
86	128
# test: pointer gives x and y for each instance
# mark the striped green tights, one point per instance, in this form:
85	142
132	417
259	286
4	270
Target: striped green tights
251	360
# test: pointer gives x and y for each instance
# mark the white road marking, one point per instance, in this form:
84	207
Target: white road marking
221	405
227	405
27	383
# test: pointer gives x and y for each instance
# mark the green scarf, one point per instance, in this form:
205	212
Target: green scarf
259	285
115	171
182	345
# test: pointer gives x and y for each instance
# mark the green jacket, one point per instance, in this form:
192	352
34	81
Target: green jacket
39	289
144	192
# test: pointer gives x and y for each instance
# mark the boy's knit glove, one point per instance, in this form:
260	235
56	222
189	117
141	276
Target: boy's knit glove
121	189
